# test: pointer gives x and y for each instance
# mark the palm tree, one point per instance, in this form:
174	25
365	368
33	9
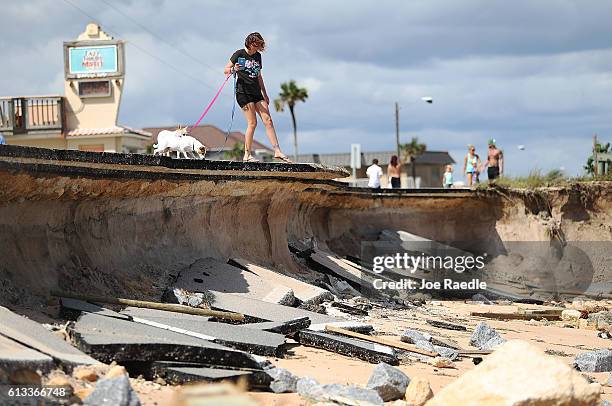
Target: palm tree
291	94
235	154
409	153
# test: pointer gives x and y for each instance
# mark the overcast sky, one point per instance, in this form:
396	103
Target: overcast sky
532	73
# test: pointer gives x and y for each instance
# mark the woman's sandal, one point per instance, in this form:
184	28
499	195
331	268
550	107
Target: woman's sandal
250	159
284	159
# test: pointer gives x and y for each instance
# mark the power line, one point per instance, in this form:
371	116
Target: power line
115	32
160	38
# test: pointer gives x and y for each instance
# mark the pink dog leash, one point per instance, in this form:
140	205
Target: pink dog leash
211	102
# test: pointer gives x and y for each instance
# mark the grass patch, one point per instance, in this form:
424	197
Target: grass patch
537	179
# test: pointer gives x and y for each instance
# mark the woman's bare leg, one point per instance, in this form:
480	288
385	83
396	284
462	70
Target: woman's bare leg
469	179
264	112
251	119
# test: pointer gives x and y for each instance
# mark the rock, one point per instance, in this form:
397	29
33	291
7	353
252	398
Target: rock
116	371
418	392
482	334
529	377
606	403
446	352
594	361
425	345
441	362
479	297
283	380
412	336
309	388
493	342
388	381
609	381
113	392
570	314
86	374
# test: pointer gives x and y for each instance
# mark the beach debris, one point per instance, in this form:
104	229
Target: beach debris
113	392
529	377
418	392
309	388
594	361
282	380
482	334
446	325
388	381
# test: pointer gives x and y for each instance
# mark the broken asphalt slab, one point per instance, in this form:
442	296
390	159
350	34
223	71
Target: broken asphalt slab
236	336
181	373
371	352
303	291
14	356
262	311
75	307
287	328
35	336
208	274
110	339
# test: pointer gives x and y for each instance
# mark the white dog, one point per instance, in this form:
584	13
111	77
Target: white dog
179	141
191	147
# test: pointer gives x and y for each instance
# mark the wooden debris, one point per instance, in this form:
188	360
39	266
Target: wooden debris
517	316
380	340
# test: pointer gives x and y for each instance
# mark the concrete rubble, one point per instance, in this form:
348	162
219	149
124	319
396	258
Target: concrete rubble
389	382
485	337
594	361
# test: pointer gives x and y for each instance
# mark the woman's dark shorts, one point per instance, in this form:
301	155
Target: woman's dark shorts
395	182
243	99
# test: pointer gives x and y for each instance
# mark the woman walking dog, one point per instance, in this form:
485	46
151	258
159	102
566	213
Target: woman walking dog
251	93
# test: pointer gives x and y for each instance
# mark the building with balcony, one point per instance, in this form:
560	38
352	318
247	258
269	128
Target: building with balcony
85	116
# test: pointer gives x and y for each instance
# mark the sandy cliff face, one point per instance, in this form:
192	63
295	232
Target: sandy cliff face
108	234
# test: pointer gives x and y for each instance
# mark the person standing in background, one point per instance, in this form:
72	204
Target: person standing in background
494	162
374	173
394	173
471	164
447	178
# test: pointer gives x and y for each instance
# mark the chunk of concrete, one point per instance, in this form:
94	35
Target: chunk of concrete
113	392
388	381
425	345
309	388
283	381
594	361
412	336
492	343
446	352
14	356
35	336
351	347
109	339
482	334
418	392
529	377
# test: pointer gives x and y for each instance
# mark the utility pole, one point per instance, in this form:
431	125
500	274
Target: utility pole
397	142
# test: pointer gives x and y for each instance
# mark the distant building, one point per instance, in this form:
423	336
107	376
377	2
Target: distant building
85	116
429	166
214	138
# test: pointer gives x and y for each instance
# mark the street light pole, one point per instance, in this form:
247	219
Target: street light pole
397	137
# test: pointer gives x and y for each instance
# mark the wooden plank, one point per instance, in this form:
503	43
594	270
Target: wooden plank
516	316
380	340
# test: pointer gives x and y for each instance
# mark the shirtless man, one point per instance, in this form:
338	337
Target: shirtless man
495	161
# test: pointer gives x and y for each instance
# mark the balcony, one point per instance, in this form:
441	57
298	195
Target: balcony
22	115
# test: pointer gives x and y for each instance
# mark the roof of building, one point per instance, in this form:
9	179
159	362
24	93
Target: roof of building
212	137
344	158
106	131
